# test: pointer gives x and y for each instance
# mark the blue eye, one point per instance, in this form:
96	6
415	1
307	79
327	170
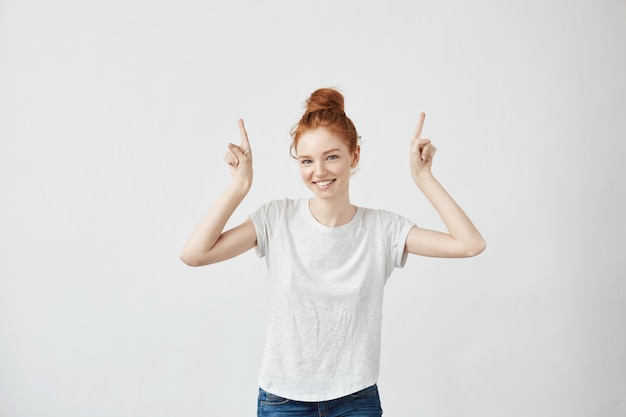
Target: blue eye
332	157
305	161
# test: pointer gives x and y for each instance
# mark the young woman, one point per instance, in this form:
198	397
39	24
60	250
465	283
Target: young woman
328	261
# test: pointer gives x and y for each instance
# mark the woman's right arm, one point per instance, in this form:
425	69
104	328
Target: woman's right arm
208	242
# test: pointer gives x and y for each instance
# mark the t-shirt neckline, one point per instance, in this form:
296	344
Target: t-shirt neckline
331	229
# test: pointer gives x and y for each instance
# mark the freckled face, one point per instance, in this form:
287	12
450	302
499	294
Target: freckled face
325	163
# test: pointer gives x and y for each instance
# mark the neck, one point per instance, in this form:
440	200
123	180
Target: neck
332	213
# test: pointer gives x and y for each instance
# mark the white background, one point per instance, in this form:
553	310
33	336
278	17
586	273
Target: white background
114	117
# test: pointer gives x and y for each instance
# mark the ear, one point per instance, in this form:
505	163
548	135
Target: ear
356	155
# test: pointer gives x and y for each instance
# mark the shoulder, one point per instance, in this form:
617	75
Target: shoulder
279	208
282	204
382	216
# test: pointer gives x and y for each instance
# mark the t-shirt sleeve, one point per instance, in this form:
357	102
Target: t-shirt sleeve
259	220
262	219
398	228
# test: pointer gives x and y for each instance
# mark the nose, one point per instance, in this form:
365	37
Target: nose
320	169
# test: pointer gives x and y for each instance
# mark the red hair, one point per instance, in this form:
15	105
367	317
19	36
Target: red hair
324	108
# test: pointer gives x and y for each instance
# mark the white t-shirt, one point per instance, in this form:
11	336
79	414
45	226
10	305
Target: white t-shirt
325	297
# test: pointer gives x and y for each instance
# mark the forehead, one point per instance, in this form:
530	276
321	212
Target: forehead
318	141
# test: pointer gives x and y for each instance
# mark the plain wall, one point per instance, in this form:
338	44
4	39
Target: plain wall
115	115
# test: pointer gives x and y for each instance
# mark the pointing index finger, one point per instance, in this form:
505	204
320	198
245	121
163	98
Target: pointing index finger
245	144
420	125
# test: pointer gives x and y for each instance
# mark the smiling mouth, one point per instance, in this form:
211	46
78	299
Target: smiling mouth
323	184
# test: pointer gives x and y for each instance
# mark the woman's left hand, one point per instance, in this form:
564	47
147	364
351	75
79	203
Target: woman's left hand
422	151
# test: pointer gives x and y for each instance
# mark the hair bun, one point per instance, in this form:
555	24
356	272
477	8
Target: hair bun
325	99
324	109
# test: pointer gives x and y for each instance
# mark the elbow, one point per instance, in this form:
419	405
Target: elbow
187	260
190	260
476	248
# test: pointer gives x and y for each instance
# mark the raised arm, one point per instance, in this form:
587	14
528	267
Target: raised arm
208	242
462	239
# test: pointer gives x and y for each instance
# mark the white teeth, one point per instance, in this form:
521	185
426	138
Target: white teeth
323	183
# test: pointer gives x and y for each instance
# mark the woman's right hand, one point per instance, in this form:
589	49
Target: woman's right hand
239	158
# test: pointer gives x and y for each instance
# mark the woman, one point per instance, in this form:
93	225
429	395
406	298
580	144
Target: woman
328	261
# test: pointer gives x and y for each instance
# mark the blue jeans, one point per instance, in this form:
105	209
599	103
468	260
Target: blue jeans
364	403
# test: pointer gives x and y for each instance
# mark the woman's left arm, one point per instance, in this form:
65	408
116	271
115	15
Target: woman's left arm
463	239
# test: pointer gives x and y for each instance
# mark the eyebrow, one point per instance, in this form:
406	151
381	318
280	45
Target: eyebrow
328	151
